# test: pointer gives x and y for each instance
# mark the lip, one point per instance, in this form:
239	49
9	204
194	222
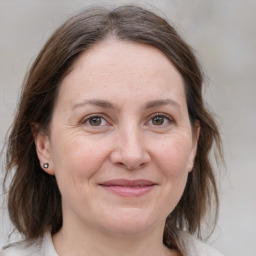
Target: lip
128	188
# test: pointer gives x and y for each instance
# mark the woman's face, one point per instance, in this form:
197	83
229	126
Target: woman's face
121	143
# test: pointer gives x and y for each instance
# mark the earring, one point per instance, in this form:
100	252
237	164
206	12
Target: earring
45	165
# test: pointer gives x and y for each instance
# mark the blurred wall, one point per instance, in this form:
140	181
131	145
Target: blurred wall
224	35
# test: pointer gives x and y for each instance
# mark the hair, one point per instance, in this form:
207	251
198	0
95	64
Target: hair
34	200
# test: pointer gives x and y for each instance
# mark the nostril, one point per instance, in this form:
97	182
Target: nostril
129	156
131	167
120	164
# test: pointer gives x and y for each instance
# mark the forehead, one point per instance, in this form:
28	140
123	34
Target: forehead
122	67
118	54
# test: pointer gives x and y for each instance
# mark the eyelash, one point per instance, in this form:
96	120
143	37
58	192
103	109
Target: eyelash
86	120
162	115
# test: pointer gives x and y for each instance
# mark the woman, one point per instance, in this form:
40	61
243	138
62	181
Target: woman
110	145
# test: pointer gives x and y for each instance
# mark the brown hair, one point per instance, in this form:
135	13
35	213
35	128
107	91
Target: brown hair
34	201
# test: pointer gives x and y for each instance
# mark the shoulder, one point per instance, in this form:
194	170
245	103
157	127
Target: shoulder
195	247
38	247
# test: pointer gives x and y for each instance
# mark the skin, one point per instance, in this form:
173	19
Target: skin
141	131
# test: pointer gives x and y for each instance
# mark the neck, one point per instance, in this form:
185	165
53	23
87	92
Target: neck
90	241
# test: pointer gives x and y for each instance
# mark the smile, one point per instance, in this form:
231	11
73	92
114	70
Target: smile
128	188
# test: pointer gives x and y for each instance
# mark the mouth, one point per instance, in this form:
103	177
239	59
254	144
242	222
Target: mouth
128	188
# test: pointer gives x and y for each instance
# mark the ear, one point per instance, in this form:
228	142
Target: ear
196	133
43	149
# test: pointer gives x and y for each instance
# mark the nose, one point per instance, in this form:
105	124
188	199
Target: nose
130	150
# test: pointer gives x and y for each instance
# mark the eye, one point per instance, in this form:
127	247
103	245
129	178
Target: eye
160	120
95	121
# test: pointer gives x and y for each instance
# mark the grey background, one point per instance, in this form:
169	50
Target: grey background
224	34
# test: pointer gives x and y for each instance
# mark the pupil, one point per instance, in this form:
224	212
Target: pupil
96	121
158	120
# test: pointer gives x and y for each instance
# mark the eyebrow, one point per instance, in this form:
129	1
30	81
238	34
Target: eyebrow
109	105
158	103
95	102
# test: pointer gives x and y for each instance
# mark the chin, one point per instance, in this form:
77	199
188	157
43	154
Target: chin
131	222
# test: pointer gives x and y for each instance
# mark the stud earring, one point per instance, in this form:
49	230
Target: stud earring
45	165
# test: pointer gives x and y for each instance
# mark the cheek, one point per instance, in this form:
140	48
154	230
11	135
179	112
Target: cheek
172	159
77	156
174	156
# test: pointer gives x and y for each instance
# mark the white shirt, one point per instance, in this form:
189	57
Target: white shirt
44	247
